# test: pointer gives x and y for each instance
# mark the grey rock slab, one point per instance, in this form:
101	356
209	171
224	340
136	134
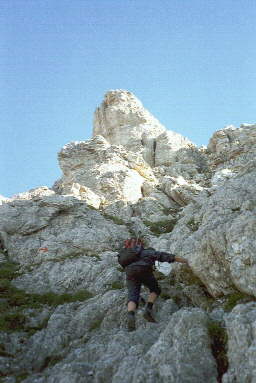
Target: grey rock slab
95	274
167	145
179	190
241	329
231	149
106	170
216	233
110	351
67	324
182	352
60	227
121	210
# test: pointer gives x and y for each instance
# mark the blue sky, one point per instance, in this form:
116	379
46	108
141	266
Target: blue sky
192	63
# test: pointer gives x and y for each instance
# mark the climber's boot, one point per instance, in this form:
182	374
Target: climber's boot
131	321
148	315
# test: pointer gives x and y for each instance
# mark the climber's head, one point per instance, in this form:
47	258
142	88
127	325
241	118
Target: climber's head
133	242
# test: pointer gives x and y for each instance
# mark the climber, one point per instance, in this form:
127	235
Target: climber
138	264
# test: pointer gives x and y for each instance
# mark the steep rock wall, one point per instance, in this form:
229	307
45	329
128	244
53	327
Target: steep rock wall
133	178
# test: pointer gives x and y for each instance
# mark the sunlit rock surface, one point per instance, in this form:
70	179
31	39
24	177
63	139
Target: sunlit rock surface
63	302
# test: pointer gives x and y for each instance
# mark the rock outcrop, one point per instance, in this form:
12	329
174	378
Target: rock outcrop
241	344
122	120
63	304
102	173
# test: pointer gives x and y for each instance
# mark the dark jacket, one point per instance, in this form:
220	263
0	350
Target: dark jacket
148	257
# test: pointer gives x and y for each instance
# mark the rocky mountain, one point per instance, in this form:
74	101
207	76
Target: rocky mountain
63	295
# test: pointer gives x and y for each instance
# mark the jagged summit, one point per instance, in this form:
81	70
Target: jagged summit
122	108
122	120
129	147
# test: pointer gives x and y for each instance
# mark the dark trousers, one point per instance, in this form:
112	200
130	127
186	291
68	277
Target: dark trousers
137	276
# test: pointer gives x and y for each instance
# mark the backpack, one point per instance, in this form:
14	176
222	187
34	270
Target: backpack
127	256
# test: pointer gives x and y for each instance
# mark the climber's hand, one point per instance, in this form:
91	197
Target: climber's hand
181	260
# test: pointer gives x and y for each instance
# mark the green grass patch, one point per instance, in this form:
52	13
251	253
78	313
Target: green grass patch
12	321
32	330
52	299
116	220
4	285
14	301
234	299
18	298
9	270
116	286
161	227
219	339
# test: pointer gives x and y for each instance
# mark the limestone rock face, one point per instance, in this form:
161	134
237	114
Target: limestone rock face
233	148
101	350
55	228
95	274
179	190
241	344
63	295
123	120
182	346
167	145
216	232
102	173
233	140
